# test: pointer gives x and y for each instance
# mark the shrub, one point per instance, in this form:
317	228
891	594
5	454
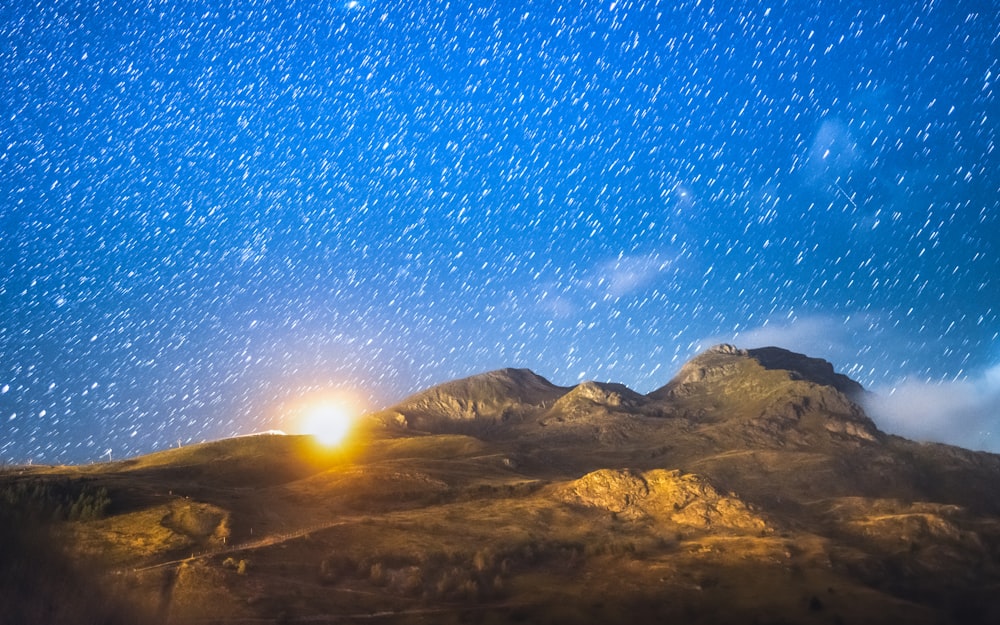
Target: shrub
377	574
336	567
483	560
411	581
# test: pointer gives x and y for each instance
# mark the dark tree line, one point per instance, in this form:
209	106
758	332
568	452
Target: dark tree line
55	499
40	579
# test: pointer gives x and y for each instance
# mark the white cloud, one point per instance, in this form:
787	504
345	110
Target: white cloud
818	336
962	412
625	274
833	151
608	281
555	304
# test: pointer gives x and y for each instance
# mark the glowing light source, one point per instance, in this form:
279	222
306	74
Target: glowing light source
327	414
328	421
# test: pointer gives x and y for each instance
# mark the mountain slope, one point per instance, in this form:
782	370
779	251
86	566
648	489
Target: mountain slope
750	488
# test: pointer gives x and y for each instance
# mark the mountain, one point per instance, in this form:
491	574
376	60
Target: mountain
488	398
770	394
750	488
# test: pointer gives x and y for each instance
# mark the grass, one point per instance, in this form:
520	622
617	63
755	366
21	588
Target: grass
438	528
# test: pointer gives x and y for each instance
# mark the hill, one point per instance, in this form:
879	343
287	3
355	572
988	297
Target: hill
752	487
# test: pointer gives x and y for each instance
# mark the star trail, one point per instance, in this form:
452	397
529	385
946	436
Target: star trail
211	210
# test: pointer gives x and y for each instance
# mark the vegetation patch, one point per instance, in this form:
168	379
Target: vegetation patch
58	499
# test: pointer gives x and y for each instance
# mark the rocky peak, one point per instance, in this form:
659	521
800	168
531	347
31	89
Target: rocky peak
772	395
724	363
768	396
803	367
605	394
714	363
492	396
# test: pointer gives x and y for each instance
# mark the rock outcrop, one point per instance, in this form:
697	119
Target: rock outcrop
670	496
588	395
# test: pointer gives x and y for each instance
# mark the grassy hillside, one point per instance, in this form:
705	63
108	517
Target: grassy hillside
736	494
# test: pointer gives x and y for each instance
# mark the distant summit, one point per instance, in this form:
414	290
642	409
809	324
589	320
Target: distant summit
721	360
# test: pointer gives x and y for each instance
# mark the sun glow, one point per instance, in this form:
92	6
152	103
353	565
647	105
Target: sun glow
330	415
328	420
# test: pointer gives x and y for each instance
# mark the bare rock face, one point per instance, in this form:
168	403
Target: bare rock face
856	430
725	361
673	496
618	491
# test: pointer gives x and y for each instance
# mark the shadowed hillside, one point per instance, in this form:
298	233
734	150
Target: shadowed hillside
751	488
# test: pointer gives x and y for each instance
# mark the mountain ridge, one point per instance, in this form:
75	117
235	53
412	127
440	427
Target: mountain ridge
752	487
508	399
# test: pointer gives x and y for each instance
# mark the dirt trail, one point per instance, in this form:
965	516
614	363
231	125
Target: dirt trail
264	541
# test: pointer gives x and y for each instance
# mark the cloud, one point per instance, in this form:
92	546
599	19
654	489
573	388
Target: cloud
605	282
819	336
554	304
962	412
625	274
833	151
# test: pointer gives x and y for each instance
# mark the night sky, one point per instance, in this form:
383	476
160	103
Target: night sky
208	214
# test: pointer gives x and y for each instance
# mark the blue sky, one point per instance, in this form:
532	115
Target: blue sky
207	213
